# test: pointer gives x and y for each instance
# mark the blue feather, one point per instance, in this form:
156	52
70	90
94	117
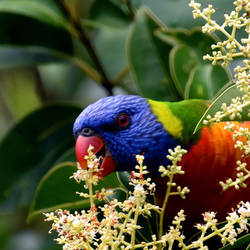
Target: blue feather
144	134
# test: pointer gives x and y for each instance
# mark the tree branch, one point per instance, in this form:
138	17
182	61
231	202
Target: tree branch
130	9
84	39
76	23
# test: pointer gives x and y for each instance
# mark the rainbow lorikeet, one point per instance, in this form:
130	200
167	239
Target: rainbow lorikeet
122	126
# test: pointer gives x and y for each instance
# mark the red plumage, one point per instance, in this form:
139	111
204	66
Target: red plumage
210	160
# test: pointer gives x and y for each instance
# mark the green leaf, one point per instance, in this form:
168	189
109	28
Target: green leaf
25	31
124	178
147	58
43	11
177	13
241	243
11	56
183	60
205	81
113	26
186	62
225	97
118	193
30	31
56	190
172	13
194	38
114	40
107	14
18	90
36	141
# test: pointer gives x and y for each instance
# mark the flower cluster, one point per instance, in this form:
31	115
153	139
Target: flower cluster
85	230
242	141
90	174
233	110
225	52
171	170
114	224
75	231
236	223
238	134
90	177
238	19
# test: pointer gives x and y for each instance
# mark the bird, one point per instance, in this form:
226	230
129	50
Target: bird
120	127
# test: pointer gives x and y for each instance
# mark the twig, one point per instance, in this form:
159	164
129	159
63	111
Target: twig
121	75
84	39
76	23
130	9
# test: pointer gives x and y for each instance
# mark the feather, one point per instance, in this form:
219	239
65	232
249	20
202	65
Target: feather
210	160
153	128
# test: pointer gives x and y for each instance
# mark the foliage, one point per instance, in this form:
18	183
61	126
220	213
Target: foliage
224	52
78	51
119	219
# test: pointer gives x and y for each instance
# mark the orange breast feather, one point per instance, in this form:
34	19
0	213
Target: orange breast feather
211	160
214	156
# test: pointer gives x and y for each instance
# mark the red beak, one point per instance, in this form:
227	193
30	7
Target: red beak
81	149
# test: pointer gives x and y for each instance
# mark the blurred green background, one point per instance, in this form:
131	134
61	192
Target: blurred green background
58	56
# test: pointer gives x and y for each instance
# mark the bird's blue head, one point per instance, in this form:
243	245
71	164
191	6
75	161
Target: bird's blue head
120	127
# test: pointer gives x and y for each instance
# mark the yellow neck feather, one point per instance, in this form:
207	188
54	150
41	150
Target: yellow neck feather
164	115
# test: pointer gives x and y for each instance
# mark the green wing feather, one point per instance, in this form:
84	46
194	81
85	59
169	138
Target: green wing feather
179	118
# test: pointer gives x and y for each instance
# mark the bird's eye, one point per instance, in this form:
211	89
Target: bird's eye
123	120
87	132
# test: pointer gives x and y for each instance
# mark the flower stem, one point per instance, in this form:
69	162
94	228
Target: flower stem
91	199
124	225
165	204
132	242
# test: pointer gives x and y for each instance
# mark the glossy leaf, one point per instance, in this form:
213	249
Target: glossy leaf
147	58
36	141
178	14
124	178
30	31
241	243
225	97
186	62
205	81
44	11
200	42
110	45
25	31
67	156
57	190
112	25
106	13
119	193
183	60
148	224
19	92
11	56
